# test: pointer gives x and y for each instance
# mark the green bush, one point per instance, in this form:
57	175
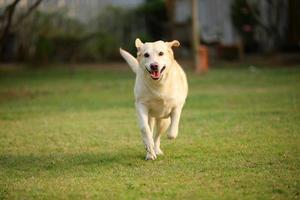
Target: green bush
55	37
120	27
44	49
154	13
244	21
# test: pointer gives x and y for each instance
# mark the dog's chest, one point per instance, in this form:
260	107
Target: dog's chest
160	108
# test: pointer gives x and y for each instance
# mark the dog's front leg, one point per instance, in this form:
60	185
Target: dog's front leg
175	116
142	113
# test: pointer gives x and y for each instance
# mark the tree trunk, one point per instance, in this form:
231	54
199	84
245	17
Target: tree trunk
6	23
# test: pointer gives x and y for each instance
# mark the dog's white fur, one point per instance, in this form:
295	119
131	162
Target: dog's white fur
158	102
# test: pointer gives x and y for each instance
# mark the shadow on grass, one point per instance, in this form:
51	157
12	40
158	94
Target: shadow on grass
60	161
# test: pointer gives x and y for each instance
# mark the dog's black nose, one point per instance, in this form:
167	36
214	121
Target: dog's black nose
154	66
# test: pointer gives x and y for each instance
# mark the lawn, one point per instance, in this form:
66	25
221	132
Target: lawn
76	136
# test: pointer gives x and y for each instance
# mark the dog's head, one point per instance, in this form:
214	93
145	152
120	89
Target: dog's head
155	57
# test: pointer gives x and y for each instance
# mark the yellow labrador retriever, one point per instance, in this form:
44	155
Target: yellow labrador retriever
160	91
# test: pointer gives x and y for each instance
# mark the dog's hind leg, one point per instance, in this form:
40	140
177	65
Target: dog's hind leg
162	125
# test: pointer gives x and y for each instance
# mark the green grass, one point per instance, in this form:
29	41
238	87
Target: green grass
76	136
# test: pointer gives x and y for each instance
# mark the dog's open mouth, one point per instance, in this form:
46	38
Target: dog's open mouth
155	74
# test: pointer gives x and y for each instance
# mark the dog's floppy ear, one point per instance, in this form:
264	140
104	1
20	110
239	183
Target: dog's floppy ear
174	43
138	43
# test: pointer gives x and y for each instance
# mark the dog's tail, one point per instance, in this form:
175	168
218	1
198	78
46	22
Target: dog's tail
132	61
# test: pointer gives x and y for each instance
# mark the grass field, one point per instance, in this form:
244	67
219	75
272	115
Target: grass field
76	136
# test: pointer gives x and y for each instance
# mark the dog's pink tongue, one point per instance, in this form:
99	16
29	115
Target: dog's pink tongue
155	74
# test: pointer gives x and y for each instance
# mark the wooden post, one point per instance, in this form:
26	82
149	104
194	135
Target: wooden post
241	49
170	4
195	33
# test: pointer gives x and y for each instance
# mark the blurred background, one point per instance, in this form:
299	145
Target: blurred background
68	127
91	31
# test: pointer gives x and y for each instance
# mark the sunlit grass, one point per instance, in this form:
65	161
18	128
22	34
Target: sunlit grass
75	135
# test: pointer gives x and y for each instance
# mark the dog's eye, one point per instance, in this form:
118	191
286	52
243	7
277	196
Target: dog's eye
161	53
146	55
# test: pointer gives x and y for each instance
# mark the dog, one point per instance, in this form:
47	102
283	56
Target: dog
160	91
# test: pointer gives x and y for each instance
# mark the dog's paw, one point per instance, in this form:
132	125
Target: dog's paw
171	137
172	134
158	151
151	156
